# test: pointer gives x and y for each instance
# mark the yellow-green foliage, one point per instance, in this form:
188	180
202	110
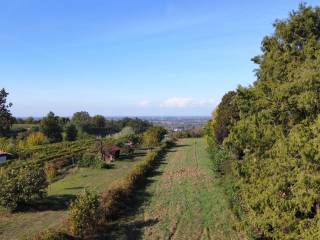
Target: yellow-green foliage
37	138
153	136
20	185
8	145
276	140
84	214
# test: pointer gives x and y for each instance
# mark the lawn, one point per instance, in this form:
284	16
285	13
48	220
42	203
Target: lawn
183	200
51	212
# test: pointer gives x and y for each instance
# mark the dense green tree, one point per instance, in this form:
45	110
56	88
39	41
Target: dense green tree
51	128
71	132
63	121
225	116
138	125
99	121
81	118
6	119
153	136
278	133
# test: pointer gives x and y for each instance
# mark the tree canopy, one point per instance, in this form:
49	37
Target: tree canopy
278	131
153	136
51	128
225	116
6	119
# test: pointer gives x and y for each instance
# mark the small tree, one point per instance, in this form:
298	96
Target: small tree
51	128
37	138
71	133
6	119
153	136
84	214
51	172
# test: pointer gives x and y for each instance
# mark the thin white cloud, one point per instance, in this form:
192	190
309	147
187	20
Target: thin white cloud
184	102
176	102
144	103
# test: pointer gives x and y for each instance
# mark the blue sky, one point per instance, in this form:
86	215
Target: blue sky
130	57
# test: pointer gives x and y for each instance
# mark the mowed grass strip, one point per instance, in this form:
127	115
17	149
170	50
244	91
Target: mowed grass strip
53	210
183	201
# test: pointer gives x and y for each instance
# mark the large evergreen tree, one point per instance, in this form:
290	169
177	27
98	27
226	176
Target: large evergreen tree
279	132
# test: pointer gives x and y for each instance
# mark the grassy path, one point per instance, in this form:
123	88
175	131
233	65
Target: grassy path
182	201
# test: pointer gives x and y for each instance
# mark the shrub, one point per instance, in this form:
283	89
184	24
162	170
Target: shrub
37	138
219	157
91	160
84	214
153	136
50	171
21	185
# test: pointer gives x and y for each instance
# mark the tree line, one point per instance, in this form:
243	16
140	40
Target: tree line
53	129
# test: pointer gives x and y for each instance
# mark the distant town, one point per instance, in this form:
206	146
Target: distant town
179	123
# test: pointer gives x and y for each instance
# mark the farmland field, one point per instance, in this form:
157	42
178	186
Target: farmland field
183	200
52	211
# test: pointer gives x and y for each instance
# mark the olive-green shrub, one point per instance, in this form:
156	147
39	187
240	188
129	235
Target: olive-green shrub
20	185
84	214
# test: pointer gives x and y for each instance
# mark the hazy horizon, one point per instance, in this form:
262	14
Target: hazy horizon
130	116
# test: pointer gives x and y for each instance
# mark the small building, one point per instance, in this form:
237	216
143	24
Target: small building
112	153
4	156
129	147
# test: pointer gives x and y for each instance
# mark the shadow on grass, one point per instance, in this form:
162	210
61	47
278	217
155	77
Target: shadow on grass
130	157
125	226
50	203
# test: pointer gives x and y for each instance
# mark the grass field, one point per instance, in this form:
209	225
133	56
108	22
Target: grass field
52	211
24	125
183	200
